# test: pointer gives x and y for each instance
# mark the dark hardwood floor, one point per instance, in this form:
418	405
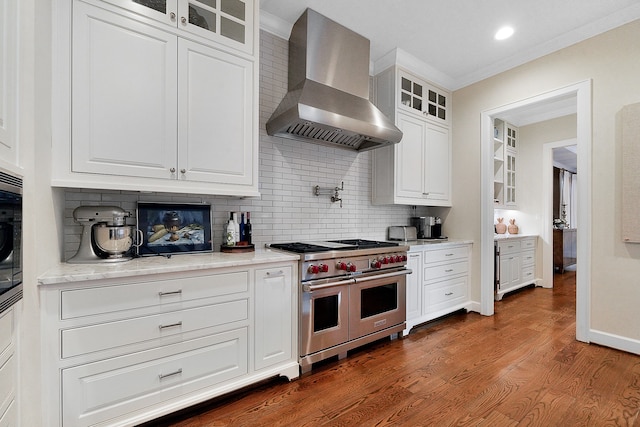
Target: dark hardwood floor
522	366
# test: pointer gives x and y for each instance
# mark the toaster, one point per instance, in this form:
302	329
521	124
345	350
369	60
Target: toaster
403	233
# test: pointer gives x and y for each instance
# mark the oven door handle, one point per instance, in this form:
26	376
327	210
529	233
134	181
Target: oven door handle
310	287
383	275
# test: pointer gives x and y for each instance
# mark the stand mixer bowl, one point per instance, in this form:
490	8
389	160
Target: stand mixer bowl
113	240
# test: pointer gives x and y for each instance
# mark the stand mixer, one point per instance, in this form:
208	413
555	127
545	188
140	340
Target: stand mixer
105	235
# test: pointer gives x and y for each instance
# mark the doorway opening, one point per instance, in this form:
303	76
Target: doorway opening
578	97
564	207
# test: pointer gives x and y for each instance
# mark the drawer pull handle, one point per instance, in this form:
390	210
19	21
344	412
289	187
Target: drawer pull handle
448	294
448	254
170	374
172	325
165	294
277	274
449	270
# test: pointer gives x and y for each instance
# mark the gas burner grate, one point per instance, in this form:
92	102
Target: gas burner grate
365	244
299	247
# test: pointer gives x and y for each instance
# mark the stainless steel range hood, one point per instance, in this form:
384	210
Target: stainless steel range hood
328	99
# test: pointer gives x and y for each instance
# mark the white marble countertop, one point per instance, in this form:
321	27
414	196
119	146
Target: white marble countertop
67	273
512	236
434	244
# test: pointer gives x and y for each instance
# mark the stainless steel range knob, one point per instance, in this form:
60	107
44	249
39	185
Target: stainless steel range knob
313	269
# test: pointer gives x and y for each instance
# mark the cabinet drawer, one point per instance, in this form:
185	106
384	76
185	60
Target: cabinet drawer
445	270
154	330
100	391
528	274
6	329
528	244
509	246
445	294
446	254
528	258
108	299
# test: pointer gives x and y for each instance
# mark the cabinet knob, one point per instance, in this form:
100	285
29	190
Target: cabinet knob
172	15
172	170
183	20
183	171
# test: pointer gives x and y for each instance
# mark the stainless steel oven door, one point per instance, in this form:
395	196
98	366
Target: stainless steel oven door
324	315
377	302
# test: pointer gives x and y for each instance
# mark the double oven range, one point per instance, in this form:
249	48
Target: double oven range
352	292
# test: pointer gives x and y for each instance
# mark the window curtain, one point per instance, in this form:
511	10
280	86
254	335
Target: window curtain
568	197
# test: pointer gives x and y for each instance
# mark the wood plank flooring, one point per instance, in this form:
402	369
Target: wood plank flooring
520	367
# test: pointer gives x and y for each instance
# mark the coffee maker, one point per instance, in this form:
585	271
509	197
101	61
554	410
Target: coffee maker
428	227
105	235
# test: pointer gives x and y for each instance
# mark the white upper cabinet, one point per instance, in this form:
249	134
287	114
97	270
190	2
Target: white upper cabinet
228	22
417	170
419	97
505	143
151	109
215	138
8	81
124	97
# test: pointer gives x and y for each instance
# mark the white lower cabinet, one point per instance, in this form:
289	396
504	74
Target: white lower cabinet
414	285
8	369
275	316
98	392
442	285
126	351
517	264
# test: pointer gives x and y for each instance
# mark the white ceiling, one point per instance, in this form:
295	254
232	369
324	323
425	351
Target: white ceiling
455	38
566	158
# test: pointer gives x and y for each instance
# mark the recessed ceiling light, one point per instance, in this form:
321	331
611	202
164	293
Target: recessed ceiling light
504	33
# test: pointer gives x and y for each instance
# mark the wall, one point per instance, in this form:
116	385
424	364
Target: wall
289	170
610	60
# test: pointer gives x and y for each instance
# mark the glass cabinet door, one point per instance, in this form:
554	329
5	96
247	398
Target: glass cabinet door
160	10
226	21
510	184
419	97
411	94
511	138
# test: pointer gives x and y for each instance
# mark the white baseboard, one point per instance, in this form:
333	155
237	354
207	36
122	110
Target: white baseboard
614	341
473	306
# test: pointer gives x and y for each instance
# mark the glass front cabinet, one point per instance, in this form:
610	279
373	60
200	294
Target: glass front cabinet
225	21
505	142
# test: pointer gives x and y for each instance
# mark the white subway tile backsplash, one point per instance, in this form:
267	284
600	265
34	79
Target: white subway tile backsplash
288	209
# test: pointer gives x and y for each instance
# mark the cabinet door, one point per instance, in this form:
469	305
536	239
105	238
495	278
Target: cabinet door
510	179
437	171
510	270
160	10
216	129
414	286
8	73
229	22
124	96
511	137
274	303
410	157
412	93
8	368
